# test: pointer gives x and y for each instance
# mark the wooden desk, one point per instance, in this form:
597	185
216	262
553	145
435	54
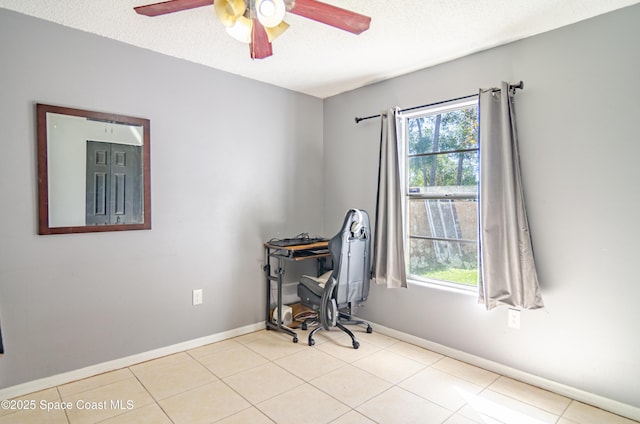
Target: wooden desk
283	254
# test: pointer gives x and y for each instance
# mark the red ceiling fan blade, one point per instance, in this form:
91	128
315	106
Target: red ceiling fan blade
260	46
332	15
171	6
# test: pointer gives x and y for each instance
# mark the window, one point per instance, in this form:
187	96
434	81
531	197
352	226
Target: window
441	189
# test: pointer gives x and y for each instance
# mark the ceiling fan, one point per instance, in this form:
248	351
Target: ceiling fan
259	22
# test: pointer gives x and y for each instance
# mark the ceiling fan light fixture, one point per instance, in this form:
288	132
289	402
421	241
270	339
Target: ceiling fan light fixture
241	30
228	11
275	31
267	8
270	13
259	22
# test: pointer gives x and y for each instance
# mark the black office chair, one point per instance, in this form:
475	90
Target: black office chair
336	299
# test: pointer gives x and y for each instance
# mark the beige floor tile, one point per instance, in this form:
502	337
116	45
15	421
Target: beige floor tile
172	374
310	363
95	381
228	362
204	404
460	419
351	385
352	417
251	337
31	401
35	416
304	404
342	349
473	414
539	398
273	345
416	353
396	406
565	421
107	401
265	378
35	408
150	414
481	419
441	388
586	414
389	366
263	382
466	371
505	410
247	416
212	348
375	337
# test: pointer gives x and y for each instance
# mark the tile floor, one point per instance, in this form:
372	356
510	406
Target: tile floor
263	377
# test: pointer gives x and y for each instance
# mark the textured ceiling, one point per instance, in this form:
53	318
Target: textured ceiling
318	60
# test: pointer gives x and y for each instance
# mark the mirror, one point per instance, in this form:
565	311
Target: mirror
93	171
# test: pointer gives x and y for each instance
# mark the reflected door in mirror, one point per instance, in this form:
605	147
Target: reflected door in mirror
114	185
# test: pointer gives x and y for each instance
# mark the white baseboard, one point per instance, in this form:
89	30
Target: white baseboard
67	377
607	404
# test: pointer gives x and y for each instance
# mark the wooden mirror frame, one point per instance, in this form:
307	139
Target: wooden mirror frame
43	175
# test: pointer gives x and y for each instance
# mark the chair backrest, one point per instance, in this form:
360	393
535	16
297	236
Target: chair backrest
350	252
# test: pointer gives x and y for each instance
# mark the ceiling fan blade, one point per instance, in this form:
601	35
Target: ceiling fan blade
260	46
331	15
171	6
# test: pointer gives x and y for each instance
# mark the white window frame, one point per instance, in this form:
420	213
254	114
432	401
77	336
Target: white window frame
402	119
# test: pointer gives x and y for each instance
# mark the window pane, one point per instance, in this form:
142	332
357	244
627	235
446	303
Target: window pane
447	131
444	218
454	173
455	262
442	194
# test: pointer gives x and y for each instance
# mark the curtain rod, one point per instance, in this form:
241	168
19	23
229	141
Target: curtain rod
513	87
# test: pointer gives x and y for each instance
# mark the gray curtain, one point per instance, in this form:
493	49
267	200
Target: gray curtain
388	244
508	273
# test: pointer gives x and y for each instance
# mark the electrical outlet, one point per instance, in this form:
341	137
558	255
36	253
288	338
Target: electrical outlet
197	297
514	318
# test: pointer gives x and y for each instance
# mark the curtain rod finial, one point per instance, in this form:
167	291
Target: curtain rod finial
514	87
517	86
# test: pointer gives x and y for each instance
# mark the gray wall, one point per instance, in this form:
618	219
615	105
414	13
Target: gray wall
578	122
229	169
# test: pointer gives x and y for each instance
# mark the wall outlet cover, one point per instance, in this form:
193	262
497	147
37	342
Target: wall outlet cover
514	318
197	297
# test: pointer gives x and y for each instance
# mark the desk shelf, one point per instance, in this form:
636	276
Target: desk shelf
301	255
296	308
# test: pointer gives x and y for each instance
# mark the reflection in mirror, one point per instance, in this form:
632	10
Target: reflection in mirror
93	171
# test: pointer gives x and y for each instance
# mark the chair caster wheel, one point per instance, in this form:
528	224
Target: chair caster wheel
295	340
304	326
312	342
356	345
369	330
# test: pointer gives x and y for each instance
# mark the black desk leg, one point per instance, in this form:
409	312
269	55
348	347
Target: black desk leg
278	326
